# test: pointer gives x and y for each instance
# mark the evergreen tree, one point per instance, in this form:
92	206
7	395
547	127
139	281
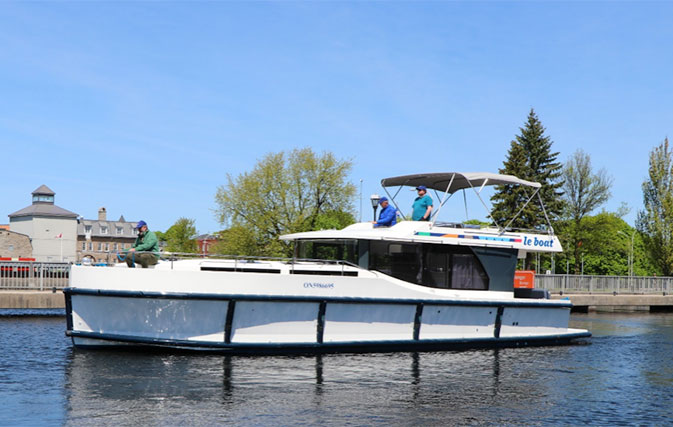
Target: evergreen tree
656	221
530	158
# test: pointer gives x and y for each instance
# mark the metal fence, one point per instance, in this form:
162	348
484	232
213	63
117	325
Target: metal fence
22	275
573	284
18	275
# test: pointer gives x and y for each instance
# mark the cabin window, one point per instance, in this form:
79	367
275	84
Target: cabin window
400	260
332	250
435	266
467	273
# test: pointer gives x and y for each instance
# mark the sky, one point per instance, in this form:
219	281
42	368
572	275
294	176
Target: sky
144	108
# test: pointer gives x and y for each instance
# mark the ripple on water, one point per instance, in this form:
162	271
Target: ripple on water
623	376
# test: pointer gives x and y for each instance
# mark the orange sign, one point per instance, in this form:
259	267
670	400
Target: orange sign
524	279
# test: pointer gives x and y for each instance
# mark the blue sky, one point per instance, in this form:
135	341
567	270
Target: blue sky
145	107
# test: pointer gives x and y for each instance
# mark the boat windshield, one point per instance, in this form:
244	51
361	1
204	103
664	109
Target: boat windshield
331	250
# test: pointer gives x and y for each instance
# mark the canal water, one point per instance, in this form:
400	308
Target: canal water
623	375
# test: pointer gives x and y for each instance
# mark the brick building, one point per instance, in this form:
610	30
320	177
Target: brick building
205	243
15	245
99	240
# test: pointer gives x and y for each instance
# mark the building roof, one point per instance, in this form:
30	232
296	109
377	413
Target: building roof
206	237
116	229
43	189
43	209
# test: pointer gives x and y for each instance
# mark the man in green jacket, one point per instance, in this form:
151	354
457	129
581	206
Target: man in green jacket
145	250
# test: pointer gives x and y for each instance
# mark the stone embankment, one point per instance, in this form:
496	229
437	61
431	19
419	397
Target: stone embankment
619	302
581	302
32	299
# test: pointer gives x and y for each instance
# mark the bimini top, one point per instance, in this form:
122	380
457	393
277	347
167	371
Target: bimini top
457	180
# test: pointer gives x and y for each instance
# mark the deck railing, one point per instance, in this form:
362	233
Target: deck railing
25	275
583	284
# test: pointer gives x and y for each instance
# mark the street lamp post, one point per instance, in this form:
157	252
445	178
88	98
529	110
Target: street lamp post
375	203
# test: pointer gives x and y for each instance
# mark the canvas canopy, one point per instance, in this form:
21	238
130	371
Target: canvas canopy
461	180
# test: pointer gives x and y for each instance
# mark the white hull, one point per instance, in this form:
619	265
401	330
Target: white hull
257	312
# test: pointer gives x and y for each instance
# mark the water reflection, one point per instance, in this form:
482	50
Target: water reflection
623	375
160	388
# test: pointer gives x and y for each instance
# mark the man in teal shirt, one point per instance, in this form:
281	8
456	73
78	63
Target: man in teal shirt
145	250
422	207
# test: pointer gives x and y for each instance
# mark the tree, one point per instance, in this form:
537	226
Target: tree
284	193
180	236
530	158
584	191
655	222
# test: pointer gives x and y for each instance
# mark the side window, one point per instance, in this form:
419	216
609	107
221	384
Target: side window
451	267
379	259
467	273
401	261
405	262
437	268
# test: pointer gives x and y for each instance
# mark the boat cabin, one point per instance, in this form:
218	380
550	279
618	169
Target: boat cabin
434	254
441	266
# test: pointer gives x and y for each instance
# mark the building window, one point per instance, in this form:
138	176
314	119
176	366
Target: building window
116	247
43	198
100	246
120	231
90	246
107	246
83	246
103	229
87	229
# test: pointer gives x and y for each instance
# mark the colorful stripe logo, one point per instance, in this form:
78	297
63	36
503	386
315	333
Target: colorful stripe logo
473	237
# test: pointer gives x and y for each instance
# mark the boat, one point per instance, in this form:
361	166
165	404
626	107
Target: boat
414	286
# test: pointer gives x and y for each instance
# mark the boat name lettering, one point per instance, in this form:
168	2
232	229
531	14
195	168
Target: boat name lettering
547	243
318	285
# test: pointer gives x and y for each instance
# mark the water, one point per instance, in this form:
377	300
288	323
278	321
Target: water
623	376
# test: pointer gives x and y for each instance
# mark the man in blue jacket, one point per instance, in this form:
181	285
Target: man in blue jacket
388	214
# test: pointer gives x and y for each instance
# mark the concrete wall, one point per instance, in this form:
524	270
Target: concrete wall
31	299
15	245
43	231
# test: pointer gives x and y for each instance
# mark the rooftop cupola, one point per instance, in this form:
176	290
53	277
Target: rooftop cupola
43	194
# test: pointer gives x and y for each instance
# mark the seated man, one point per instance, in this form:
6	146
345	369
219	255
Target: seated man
147	243
388	214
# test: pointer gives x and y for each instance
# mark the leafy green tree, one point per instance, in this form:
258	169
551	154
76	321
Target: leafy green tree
161	236
237	240
584	191
605	249
286	192
530	158
180	237
655	222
